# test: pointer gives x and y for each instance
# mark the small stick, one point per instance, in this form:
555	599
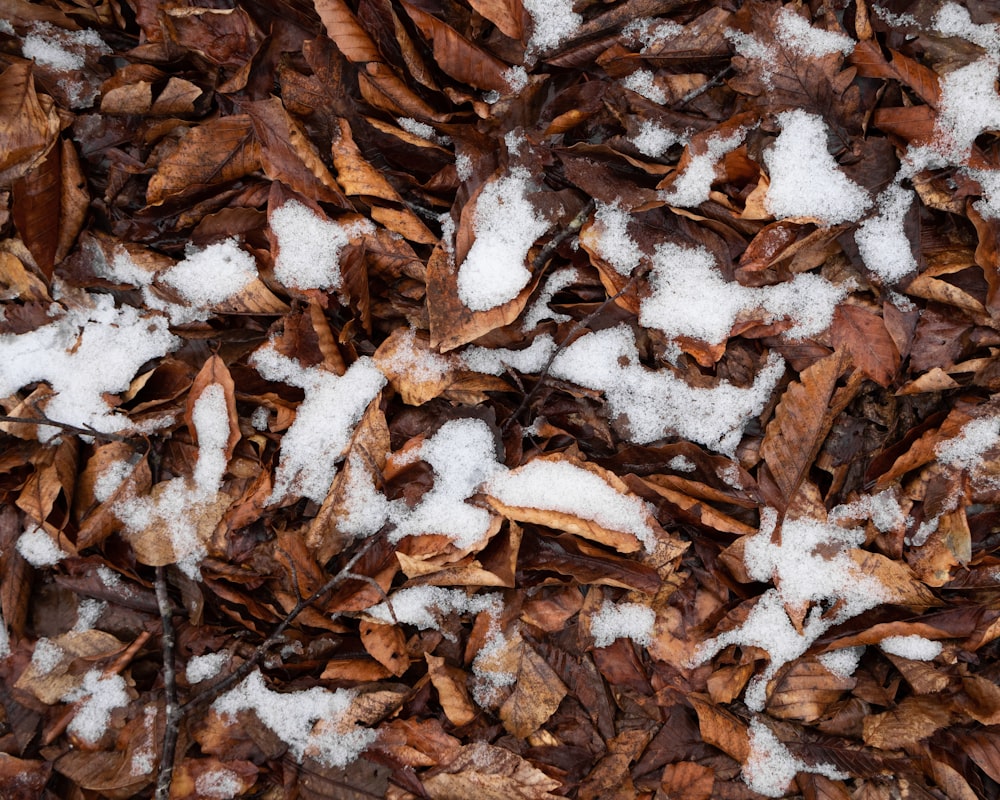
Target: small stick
166	771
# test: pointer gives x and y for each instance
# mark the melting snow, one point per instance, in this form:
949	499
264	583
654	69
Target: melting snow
805	178
770	767
913	647
324	421
309	246
622	621
506	226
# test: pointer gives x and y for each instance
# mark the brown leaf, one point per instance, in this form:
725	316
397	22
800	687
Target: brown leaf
387	645
801	421
36	196
29	123
983	747
686	780
453	693
537	692
508	15
914	719
457	56
22	779
343	27
863	334
214	372
805	691
721	729
288	155
486	772
215	152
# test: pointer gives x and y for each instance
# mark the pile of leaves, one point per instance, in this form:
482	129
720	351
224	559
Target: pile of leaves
296	502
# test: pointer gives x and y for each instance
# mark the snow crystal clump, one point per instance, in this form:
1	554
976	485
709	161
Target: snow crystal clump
916	648
805	178
506	226
953	19
312	722
201	668
882	240
843	662
801	37
969	105
496	361
462	454
657	404
46	656
539	309
309	246
100	695
218	784
61	49
693	186
623	621
654	140
614	244
422	606
86	354
965	450
88	611
770	767
569	489
38	548
691	298
811	565
643	82
213	274
553	21
324	421
989	179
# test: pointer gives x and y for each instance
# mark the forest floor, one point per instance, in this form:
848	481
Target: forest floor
499	399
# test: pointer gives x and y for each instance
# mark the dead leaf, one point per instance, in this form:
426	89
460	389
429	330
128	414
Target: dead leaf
487	772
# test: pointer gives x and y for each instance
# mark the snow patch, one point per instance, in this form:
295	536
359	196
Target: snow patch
309	246
913	647
622	621
38	548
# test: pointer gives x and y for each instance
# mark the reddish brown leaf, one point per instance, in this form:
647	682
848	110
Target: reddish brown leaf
29	123
687	780
863	334
801	420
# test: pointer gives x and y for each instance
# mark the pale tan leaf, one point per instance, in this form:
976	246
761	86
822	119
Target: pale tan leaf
453	693
485	772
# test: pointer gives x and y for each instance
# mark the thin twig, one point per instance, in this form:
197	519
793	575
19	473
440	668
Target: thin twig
174	713
583	323
86	431
570	230
700	90
260	652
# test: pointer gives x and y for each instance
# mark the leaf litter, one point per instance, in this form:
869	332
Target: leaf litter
499	398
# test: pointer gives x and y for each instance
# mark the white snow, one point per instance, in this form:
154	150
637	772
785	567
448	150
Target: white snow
309	246
805	178
650	32
98	695
260	418
881	240
622	621
882	509
218	784
810	566
553	21
38	548
312	722
654	140
421	129
643	82
422	606
795	32
87	353
770	767
88	611
202	668
658	404
462	454
516	78
539	310
989	180
965	450
843	662
693	186
46	656
366	508
180	501
913	647
953	19
614	244
506	226
110	479
969	105
496	361
61	49
324	421
564	487
213	274
691	298
681	464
